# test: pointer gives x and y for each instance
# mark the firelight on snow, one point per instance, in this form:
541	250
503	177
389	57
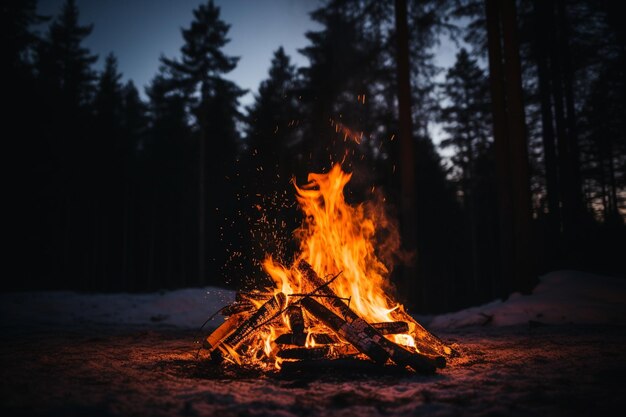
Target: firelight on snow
331	302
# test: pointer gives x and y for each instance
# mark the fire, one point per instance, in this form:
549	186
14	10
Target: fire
330	301
338	238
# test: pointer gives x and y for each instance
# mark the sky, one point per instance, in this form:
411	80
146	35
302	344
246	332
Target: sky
138	32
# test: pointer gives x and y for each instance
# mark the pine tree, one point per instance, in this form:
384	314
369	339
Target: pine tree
271	121
64	61
213	102
17	18
347	84
466	119
65	78
110	176
167	230
108	100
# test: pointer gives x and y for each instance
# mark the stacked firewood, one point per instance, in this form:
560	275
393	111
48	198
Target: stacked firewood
328	330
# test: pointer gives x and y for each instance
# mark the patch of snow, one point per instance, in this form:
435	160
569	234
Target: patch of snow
560	297
186	308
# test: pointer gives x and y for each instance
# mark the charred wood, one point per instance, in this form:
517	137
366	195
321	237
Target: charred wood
300	339
302	353
358	332
296	319
237	307
253	296
222	331
366	335
391	327
264	314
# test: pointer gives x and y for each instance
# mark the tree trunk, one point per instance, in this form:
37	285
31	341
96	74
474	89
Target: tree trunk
549	151
201	206
496	82
510	147
406	154
573	164
518	149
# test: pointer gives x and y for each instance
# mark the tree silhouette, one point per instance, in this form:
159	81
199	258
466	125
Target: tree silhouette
467	122
272	121
213	101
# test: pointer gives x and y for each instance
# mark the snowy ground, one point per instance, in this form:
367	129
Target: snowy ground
560	351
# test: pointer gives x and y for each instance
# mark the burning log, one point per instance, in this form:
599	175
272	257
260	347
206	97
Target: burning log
366	334
237	307
253	296
299	339
296	319
391	327
425	341
300	353
222	331
264	314
358	332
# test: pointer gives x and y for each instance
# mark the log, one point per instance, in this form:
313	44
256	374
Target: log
300	339
296	319
264	314
253	295
425	342
301	353
237	307
391	327
400	355
358	332
215	338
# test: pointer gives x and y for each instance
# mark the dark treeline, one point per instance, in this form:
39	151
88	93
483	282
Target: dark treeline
114	192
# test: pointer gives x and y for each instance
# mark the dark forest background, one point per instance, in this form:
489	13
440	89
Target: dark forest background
111	192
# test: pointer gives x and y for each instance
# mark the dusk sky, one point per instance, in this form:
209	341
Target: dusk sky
140	31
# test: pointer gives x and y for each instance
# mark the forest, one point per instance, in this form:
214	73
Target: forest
112	190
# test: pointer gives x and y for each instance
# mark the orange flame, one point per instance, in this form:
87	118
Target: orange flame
339	238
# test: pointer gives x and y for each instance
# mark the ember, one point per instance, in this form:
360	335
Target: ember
347	315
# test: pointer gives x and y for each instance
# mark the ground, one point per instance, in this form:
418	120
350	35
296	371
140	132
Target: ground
559	351
128	370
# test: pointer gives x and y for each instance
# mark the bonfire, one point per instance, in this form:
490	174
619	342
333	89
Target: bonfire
330	303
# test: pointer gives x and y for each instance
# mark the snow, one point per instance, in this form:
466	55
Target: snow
186	308
561	297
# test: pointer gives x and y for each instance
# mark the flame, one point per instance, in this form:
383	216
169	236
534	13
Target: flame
338	238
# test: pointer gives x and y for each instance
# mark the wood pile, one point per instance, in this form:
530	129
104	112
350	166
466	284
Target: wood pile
317	327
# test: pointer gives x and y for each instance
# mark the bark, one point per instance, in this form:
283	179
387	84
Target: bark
252	295
573	167
496	83
296	319
263	315
365	332
215	339
318	352
517	264
357	332
299	339
405	139
202	205
237	307
520	184
547	119
391	327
